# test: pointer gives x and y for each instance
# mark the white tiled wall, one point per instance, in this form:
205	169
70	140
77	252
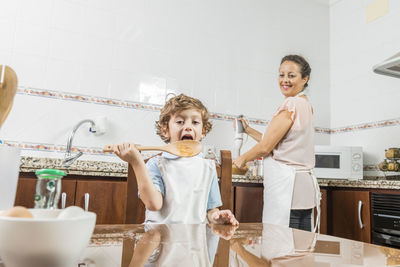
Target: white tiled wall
226	53
355	47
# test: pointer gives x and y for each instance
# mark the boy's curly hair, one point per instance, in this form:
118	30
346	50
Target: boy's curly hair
177	104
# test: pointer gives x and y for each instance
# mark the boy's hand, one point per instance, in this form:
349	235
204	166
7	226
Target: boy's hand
222	217
127	152
224	231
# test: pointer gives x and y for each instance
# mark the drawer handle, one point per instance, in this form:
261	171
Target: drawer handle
63	199
86	201
359	214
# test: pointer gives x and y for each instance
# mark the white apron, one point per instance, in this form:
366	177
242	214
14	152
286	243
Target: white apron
281	246
187	184
184	245
278	191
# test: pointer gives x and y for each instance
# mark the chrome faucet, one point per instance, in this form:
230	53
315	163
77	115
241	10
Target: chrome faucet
69	158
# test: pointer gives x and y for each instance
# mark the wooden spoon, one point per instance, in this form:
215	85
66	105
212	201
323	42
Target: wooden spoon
185	148
8	88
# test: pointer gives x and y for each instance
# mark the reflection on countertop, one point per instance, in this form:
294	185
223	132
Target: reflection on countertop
251	244
120	169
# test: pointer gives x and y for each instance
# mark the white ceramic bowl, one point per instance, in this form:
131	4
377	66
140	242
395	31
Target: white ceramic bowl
45	240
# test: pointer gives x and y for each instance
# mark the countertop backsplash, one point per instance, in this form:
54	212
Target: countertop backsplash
120	169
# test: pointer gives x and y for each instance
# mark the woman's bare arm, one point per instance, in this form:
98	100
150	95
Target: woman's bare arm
277	129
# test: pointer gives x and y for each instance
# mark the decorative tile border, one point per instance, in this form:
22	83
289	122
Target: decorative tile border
322	130
87	99
366	126
127	104
62	149
53	148
156	108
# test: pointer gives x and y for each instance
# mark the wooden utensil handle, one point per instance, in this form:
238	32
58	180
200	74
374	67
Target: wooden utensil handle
108	148
141	148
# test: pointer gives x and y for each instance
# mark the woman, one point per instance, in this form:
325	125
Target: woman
290	188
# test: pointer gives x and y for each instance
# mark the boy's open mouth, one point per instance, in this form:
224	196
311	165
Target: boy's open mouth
187	137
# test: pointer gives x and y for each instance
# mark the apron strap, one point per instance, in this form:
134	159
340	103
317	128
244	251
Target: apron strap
317	197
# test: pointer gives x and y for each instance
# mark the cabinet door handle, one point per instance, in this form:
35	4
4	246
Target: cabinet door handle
359	214
63	199
86	201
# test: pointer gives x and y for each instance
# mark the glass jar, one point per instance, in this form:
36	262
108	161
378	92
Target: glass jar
48	188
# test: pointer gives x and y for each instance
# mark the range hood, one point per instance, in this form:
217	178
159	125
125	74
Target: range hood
390	66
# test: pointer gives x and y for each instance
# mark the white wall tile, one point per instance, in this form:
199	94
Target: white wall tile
96	51
5	57
32	120
128	57
152	89
68	16
124	85
176	87
128	28
374	152
65	45
100	23
7	32
62	76
30	70
38	12
9	9
32	39
249	83
94	80
357	94
227	54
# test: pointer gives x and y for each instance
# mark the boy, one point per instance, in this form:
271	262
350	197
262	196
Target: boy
175	189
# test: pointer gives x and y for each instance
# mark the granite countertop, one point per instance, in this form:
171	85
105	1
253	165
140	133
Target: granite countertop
79	167
120	169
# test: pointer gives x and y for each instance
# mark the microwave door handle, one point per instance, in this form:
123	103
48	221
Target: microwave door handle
359	214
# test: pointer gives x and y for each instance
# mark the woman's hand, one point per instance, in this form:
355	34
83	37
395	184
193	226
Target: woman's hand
244	123
127	152
216	216
239	162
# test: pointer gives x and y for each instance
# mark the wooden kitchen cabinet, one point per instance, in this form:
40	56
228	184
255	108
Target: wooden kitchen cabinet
350	215
248	203
26	189
107	198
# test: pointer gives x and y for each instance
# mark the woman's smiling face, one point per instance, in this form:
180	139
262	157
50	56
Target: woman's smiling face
290	80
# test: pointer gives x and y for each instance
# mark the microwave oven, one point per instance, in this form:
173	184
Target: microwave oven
339	162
